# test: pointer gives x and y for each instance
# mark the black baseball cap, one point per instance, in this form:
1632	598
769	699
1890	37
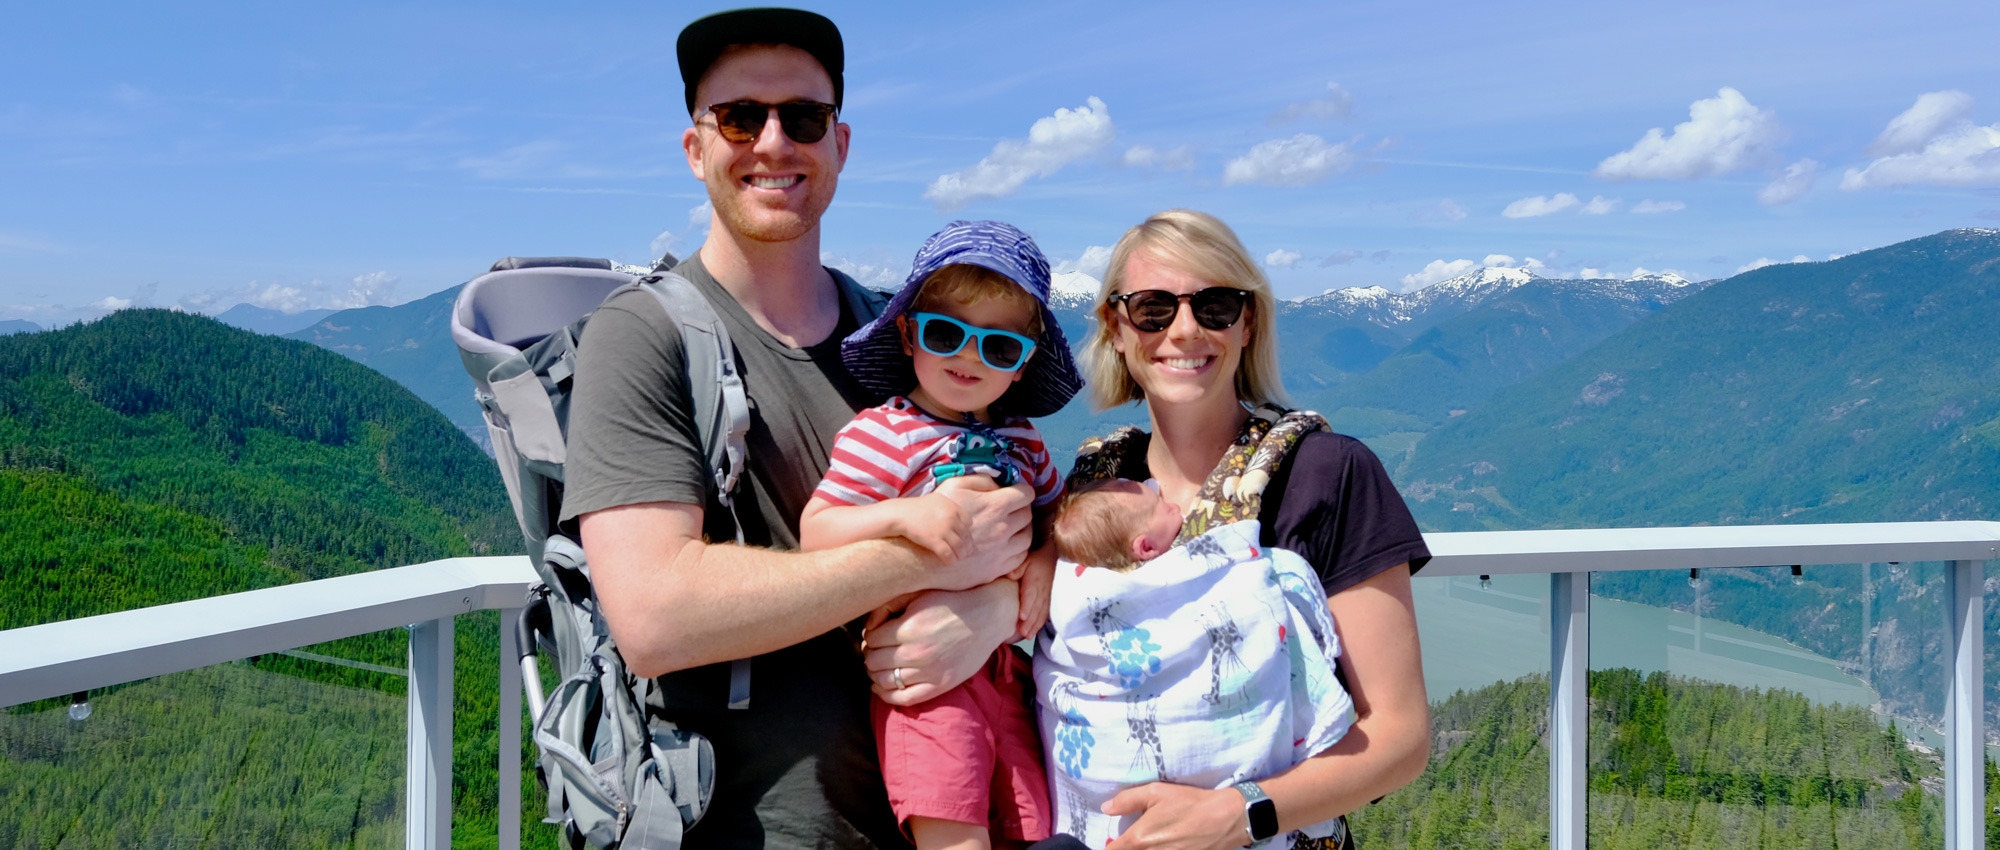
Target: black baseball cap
703	41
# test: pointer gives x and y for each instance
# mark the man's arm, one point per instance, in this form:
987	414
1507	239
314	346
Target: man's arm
675	601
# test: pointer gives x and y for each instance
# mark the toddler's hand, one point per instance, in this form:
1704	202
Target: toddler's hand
936	523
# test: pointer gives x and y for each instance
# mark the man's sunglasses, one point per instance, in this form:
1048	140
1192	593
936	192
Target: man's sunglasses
1152	310
805	121
944	336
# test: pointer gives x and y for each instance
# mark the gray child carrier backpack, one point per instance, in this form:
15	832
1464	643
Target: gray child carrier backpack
615	778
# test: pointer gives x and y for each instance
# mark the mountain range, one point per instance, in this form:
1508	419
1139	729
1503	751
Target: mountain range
265	320
18	326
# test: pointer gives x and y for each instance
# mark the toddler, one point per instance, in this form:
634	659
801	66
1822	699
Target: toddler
1206	664
967	351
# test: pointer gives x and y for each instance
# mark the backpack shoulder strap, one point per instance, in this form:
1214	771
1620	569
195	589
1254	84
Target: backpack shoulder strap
1234	491
721	408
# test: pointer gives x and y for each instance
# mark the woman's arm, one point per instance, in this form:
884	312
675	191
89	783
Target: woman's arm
1386	748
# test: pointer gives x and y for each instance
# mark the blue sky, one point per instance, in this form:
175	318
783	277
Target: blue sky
203	155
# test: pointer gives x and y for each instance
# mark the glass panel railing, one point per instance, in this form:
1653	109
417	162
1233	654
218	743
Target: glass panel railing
1486	666
1753	707
298	750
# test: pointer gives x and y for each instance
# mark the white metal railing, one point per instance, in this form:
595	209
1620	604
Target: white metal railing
56	659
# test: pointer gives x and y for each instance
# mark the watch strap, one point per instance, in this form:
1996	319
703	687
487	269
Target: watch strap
1259	812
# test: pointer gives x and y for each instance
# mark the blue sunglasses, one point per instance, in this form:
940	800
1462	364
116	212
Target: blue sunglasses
945	336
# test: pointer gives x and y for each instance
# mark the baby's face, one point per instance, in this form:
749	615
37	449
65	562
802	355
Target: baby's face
1156	521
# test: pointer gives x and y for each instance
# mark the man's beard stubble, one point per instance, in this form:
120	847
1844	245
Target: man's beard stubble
773	225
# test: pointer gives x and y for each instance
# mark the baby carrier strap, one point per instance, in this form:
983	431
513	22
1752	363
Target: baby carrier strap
1234	490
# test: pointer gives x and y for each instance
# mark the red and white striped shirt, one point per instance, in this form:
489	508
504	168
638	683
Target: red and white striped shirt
888	451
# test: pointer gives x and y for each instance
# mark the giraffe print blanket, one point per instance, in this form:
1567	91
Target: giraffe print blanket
1207	666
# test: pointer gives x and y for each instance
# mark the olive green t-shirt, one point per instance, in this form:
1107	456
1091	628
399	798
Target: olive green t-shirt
797	769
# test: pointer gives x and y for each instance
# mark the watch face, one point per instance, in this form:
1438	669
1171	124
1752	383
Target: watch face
1263	819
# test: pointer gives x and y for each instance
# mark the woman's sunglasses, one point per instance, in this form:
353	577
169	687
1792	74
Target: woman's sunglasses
1152	310
805	121
944	336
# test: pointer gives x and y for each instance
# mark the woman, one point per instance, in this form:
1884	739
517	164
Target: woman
1199	361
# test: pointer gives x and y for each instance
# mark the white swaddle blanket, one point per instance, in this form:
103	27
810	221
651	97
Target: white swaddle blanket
1207	666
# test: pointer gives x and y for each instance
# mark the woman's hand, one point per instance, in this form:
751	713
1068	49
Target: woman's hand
940	641
1179	817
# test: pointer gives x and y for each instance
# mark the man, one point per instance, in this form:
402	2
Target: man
797	767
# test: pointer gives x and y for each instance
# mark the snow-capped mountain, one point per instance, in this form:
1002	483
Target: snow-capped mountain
1379	306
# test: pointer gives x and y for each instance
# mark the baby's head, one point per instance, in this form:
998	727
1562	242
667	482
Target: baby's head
1115	523
969	334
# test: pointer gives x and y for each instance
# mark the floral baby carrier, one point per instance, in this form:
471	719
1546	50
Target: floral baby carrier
1207	666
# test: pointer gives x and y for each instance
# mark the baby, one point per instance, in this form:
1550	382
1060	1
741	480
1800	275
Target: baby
1206	664
966	351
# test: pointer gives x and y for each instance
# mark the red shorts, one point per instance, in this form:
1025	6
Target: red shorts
970	755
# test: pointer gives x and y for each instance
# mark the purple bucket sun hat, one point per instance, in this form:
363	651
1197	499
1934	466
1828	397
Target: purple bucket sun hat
874	354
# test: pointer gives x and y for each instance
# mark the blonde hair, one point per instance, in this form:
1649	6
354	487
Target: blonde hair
1201	245
964	283
1092	530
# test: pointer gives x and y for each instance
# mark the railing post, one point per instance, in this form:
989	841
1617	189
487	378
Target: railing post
510	732
1569	704
427	771
1965	745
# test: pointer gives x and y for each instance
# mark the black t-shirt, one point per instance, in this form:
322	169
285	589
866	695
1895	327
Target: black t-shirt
1331	502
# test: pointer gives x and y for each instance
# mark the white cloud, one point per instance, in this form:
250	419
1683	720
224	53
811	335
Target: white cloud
1539	206
1598	274
1922	149
1053	142
1337	104
368	290
111	302
1761	262
866	274
1143	156
1724	133
1789	186
1300	160
1339	258
700	217
1599	205
1649	207
1093	262
1436	271
1503	261
1930	116
1282	259
1447	209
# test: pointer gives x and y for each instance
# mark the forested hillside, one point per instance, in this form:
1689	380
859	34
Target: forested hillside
410	343
1673	763
1862	389
154	456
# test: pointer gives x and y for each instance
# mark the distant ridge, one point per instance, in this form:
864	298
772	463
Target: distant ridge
265	320
412	344
1865	388
18	326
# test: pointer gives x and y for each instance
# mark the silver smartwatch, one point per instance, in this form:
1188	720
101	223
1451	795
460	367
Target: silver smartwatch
1258	809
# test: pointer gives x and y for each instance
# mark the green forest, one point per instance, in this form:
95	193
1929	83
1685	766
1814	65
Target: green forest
152	457
1674	762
